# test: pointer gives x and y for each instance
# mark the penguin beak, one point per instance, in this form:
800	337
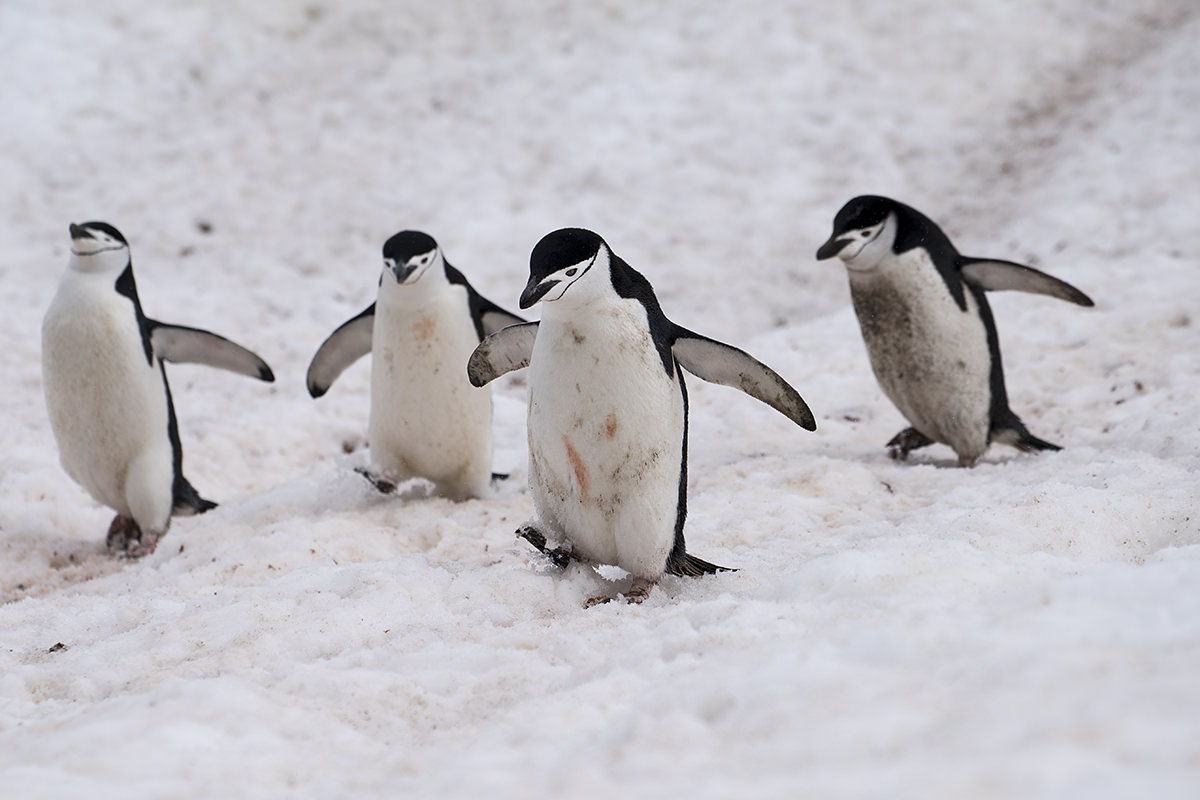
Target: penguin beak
79	232
402	271
535	291
831	248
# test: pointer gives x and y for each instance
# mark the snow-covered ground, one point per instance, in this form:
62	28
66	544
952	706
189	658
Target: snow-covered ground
1028	628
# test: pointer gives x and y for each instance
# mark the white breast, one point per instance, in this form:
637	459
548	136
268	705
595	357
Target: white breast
427	419
931	358
606	425
107	404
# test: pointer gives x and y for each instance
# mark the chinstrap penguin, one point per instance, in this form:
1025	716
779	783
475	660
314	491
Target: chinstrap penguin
426	421
107	394
929	331
607	420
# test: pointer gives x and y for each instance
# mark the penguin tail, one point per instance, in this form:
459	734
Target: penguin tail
690	566
188	501
1013	432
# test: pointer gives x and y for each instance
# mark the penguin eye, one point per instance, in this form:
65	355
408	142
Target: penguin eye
571	271
865	234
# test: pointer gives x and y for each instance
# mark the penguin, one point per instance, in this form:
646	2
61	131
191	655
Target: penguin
426	421
608	409
928	328
107	395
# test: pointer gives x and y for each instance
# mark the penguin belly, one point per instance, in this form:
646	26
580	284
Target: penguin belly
427	420
107	404
930	357
606	428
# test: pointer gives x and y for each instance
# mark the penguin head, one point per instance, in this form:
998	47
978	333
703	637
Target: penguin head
408	255
559	261
98	247
863	232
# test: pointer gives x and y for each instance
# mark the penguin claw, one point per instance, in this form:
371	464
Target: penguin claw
381	484
905	442
559	556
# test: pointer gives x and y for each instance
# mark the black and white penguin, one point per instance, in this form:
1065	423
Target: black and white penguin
607	421
107	395
928	328
426	421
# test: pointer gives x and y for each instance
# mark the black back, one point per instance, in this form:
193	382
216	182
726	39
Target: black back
476	303
183	493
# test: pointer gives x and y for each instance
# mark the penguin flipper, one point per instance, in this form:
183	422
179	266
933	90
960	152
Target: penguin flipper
997	276
721	363
179	344
350	342
505	350
487	316
497	319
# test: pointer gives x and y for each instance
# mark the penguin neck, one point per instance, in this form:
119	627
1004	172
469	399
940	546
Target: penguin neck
417	292
103	263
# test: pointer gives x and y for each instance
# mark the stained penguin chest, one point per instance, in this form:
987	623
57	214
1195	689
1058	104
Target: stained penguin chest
417	344
930	356
106	401
604	415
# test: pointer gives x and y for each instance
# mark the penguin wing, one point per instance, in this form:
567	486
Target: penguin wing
182	345
507	349
497	319
717	362
350	342
998	276
487	316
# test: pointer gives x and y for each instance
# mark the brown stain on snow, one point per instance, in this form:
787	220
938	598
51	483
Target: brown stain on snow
610	426
579	468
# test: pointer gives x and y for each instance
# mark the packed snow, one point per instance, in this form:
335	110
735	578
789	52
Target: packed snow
1026	628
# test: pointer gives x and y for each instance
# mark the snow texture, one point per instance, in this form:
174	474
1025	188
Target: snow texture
1027	628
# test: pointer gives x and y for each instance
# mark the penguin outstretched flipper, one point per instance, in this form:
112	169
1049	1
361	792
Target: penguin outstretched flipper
717	362
504	351
994	275
347	344
180	344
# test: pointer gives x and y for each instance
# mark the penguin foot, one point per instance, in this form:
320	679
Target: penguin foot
639	591
905	442
126	538
381	484
636	595
559	556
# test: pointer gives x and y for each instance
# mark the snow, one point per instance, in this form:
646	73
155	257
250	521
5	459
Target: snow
1027	628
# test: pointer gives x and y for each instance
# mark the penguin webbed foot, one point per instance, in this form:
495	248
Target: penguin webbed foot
381	484
559	556
126	539
905	442
637	594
